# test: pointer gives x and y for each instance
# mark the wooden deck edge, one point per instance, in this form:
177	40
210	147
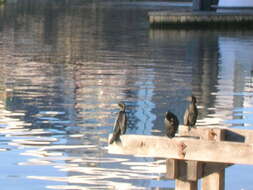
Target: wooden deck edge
183	149
200	19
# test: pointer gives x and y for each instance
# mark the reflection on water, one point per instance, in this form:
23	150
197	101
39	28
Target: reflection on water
233	3
65	66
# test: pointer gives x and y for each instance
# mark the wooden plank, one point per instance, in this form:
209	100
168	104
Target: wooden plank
186	185
183	149
200	13
214	181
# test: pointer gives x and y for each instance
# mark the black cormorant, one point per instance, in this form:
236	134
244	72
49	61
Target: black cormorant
120	124
171	124
191	113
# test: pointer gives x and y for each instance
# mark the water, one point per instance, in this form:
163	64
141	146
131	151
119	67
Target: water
232	3
66	64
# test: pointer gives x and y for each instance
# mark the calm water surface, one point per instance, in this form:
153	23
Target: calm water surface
66	64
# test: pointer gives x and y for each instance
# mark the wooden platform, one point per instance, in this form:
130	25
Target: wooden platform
159	19
199	153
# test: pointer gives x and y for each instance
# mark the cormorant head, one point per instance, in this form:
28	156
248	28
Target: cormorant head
170	116
122	106
191	99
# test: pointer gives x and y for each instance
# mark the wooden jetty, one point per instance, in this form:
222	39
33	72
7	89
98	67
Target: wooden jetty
199	153
160	19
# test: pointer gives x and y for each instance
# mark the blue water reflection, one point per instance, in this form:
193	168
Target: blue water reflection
66	64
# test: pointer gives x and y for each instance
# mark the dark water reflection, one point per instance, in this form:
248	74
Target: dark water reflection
66	64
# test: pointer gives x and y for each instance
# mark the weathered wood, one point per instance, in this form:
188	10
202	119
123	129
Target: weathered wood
229	134
172	168
186	170
236	136
239	135
189	170
179	169
214	181
184	149
194	170
216	134
186	185
209	168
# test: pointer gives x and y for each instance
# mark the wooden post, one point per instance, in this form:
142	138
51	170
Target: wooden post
186	185
187	175
194	170
184	170
189	170
172	168
214	181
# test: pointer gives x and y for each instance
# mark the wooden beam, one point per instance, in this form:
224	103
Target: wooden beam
215	134
230	134
186	170
209	168
183	149
175	170
239	135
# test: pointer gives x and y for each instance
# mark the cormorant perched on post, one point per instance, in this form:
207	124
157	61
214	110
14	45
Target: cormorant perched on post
191	113
120	124
171	124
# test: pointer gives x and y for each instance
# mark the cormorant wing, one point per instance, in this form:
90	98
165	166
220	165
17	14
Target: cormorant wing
122	122
116	129
186	117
